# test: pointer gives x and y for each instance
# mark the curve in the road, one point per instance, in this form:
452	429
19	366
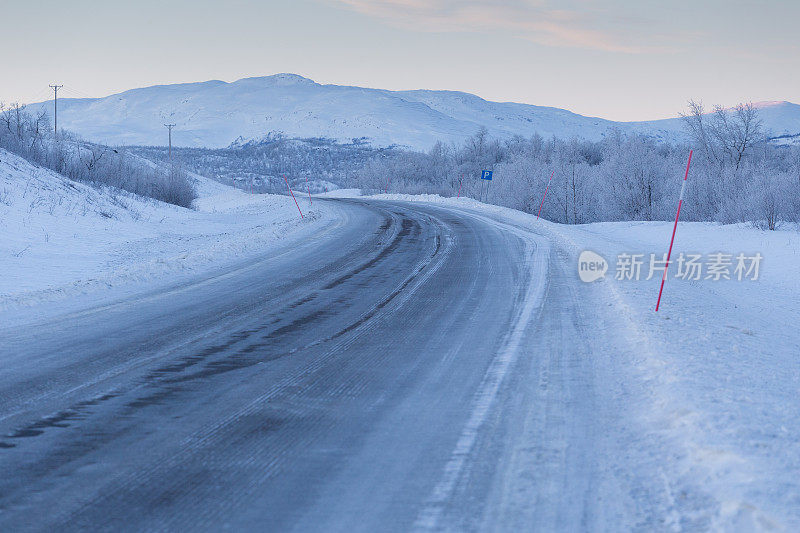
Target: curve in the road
339	385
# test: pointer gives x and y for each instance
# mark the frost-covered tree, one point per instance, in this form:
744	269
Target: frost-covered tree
29	136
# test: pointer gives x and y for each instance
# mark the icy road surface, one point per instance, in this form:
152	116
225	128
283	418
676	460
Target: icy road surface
409	367
355	380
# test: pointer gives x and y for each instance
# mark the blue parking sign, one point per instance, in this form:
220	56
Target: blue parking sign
486	175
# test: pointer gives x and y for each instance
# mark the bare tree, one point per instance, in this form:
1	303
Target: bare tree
11	118
698	128
95	154
725	135
19	118
737	130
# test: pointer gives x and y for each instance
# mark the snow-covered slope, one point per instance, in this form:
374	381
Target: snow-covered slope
64	238
508	119
216	113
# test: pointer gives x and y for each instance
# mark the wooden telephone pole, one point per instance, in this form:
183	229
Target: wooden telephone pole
55	108
169	127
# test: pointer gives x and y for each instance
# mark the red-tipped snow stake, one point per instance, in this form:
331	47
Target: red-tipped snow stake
545	195
293	198
309	192
675	227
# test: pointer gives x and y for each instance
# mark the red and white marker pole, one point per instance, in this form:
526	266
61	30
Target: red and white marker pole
309	192
293	198
674	228
545	195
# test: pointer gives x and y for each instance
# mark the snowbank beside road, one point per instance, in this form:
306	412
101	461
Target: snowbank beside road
65	238
707	428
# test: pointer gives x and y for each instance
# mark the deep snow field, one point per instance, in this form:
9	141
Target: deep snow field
709	383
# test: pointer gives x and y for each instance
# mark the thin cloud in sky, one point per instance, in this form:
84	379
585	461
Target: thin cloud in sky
533	20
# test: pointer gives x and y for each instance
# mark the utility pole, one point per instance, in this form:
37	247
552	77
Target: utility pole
55	108
169	127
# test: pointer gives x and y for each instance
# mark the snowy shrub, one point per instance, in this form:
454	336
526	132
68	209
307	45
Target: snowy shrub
768	208
31	137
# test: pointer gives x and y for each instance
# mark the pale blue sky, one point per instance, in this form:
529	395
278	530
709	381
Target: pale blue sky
616	59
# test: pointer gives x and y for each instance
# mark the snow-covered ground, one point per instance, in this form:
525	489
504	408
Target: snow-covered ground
705	425
706	388
64	238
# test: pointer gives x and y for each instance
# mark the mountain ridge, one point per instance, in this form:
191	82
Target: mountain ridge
215	113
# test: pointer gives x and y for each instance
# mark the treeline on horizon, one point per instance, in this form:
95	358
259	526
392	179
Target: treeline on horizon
737	175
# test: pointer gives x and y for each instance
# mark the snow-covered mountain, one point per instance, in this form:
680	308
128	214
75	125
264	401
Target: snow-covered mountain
215	114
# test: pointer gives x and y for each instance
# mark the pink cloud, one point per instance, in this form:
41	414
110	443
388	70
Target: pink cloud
532	20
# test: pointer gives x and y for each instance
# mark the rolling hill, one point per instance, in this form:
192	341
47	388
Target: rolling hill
214	114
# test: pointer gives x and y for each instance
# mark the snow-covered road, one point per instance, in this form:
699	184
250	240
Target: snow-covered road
405	366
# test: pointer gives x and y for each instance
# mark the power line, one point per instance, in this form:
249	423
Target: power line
40	96
80	94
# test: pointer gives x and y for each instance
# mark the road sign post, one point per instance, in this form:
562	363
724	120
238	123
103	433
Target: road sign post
486	175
